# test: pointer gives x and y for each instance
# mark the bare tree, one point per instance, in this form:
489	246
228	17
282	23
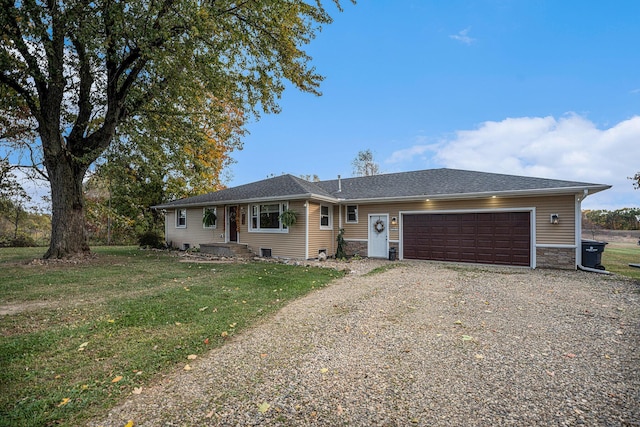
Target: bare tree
365	165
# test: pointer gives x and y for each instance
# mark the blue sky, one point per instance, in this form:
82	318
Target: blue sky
539	88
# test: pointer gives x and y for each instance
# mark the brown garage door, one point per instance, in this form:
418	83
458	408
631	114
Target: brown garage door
487	237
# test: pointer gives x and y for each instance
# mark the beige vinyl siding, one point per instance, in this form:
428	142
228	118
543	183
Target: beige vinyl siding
561	234
321	238
286	245
194	234
360	230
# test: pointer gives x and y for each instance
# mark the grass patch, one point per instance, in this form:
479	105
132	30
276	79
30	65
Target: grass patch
617	257
382	269
125	313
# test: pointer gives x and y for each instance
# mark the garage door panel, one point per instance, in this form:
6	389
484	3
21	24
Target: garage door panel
493	238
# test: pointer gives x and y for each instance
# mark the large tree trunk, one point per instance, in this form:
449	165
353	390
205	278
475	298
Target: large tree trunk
68	233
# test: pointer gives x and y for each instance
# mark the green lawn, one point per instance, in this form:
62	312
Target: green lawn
617	257
80	337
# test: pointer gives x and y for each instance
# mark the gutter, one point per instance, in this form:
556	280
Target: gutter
480	195
309	196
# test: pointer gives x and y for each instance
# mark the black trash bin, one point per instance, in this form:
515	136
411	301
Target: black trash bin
392	254
592	254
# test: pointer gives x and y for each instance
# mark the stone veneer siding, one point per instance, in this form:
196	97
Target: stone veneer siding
562	258
352	248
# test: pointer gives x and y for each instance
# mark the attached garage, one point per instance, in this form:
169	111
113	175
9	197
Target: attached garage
478	237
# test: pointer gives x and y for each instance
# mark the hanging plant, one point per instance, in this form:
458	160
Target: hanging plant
288	218
209	218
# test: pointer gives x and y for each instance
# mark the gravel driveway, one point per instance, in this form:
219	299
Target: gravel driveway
421	344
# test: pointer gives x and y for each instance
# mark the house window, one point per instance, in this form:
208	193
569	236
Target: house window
325	216
352	213
181	218
213	211
266	217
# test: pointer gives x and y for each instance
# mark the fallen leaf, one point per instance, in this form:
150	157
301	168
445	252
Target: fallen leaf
192	357
178	323
203	308
116	379
233	325
263	355
64	402
206	341
550	373
570	355
111	321
324	370
263	407
186	289
137	390
458	322
83	346
606	356
187	367
129	424
224	334
479	356
467	338
209	414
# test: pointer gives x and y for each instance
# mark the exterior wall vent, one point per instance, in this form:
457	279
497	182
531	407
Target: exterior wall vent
186	246
265	253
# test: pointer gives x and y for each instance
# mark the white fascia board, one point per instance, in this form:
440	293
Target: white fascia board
307	196
482	195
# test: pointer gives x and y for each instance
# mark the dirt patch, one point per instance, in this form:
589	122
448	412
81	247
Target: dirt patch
612	236
10	309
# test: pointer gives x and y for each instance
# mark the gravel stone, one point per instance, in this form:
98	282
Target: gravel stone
423	344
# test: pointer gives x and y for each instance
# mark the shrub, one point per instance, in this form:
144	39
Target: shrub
22	241
340	252
151	239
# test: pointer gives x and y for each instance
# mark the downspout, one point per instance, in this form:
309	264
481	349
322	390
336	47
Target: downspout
579	236
306	230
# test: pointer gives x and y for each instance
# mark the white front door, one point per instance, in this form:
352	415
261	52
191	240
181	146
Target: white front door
378	232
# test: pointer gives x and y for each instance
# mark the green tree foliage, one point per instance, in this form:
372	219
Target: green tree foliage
74	73
636	180
620	219
18	226
365	165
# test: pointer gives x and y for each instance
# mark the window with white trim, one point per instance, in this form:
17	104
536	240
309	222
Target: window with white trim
266	217
351	214
214	211
181	218
325	216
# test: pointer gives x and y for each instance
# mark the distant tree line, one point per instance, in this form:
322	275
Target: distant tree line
20	223
620	219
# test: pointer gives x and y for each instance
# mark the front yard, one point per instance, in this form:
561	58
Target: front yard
77	337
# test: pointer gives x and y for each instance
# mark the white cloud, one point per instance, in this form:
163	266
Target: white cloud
569	148
463	36
408	154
